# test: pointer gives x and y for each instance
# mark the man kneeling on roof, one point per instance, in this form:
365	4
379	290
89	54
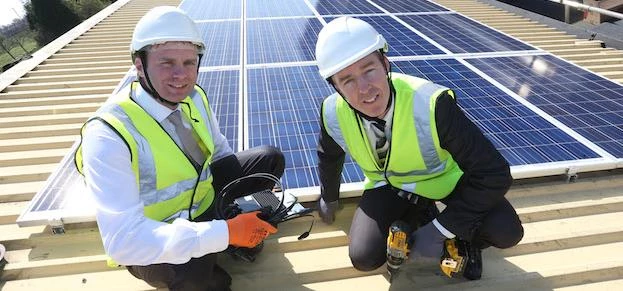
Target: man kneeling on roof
153	158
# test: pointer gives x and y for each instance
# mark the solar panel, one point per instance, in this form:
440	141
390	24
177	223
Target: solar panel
401	40
281	40
331	7
460	34
222	89
222	40
583	101
213	9
400	6
277	8
569	117
284	110
518	133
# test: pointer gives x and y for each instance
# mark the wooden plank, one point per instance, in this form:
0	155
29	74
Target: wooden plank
104	280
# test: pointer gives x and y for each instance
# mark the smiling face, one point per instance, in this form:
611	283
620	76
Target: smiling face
364	85
172	70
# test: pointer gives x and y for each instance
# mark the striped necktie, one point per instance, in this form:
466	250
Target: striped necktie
189	145
382	145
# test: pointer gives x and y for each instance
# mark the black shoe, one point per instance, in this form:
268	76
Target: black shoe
245	254
473	267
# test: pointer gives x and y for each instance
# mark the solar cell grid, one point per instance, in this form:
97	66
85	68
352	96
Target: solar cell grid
462	35
402	41
213	9
518	133
399	6
281	40
222	90
222	40
332	7
276	8
583	101
284	110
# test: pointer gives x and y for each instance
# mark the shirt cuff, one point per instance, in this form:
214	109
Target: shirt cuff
214	236
442	229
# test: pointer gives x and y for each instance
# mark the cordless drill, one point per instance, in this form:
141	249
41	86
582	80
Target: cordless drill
454	258
397	246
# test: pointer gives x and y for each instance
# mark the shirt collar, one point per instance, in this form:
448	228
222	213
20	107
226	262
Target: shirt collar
158	111
389	116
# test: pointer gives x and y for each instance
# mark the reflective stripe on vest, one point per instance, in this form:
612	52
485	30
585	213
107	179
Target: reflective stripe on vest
166	178
416	162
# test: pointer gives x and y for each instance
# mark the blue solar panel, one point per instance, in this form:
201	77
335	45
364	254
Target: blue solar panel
276	8
222	40
222	90
522	136
402	41
583	101
332	7
213	9
459	34
284	110
398	6
281	40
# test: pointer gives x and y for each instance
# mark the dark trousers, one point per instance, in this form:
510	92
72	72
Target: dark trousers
203	273
380	207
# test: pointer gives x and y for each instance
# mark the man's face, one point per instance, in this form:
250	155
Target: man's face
172	69
364	85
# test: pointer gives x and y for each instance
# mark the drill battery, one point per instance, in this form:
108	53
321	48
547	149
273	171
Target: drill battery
397	246
455	257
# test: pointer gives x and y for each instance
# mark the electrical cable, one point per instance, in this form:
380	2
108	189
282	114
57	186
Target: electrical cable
272	216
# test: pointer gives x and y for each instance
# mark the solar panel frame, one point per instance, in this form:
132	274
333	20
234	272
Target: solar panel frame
460	34
222	88
72	207
330	7
213	9
277	8
223	43
284	110
281	40
402	6
586	103
402	40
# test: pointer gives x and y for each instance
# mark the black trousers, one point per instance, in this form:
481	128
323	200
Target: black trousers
203	273
380	207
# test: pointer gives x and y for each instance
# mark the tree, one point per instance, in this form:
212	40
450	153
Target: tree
6	49
51	19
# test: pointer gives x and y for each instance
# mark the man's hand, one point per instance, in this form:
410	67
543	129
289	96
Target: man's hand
327	210
247	230
427	242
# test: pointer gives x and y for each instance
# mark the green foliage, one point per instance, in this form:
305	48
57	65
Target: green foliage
52	18
15	43
86	8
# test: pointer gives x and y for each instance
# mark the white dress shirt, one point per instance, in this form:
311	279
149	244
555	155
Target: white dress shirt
129	237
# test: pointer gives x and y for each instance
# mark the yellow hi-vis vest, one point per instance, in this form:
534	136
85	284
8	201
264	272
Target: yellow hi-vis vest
415	161
165	177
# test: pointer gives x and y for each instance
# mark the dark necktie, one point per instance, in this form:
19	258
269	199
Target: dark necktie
382	145
189	143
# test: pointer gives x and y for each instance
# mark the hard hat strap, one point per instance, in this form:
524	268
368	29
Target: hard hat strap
149	87
392	90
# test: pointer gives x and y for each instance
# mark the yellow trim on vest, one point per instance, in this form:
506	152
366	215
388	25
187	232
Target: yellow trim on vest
405	157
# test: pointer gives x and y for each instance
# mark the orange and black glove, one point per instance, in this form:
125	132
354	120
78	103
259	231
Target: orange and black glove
247	230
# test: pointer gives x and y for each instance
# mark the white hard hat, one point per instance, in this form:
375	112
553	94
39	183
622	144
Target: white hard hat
344	41
162	24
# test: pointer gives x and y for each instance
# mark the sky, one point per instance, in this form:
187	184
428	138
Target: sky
7	13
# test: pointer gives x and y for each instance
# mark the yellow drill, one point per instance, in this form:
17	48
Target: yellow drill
454	258
397	246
